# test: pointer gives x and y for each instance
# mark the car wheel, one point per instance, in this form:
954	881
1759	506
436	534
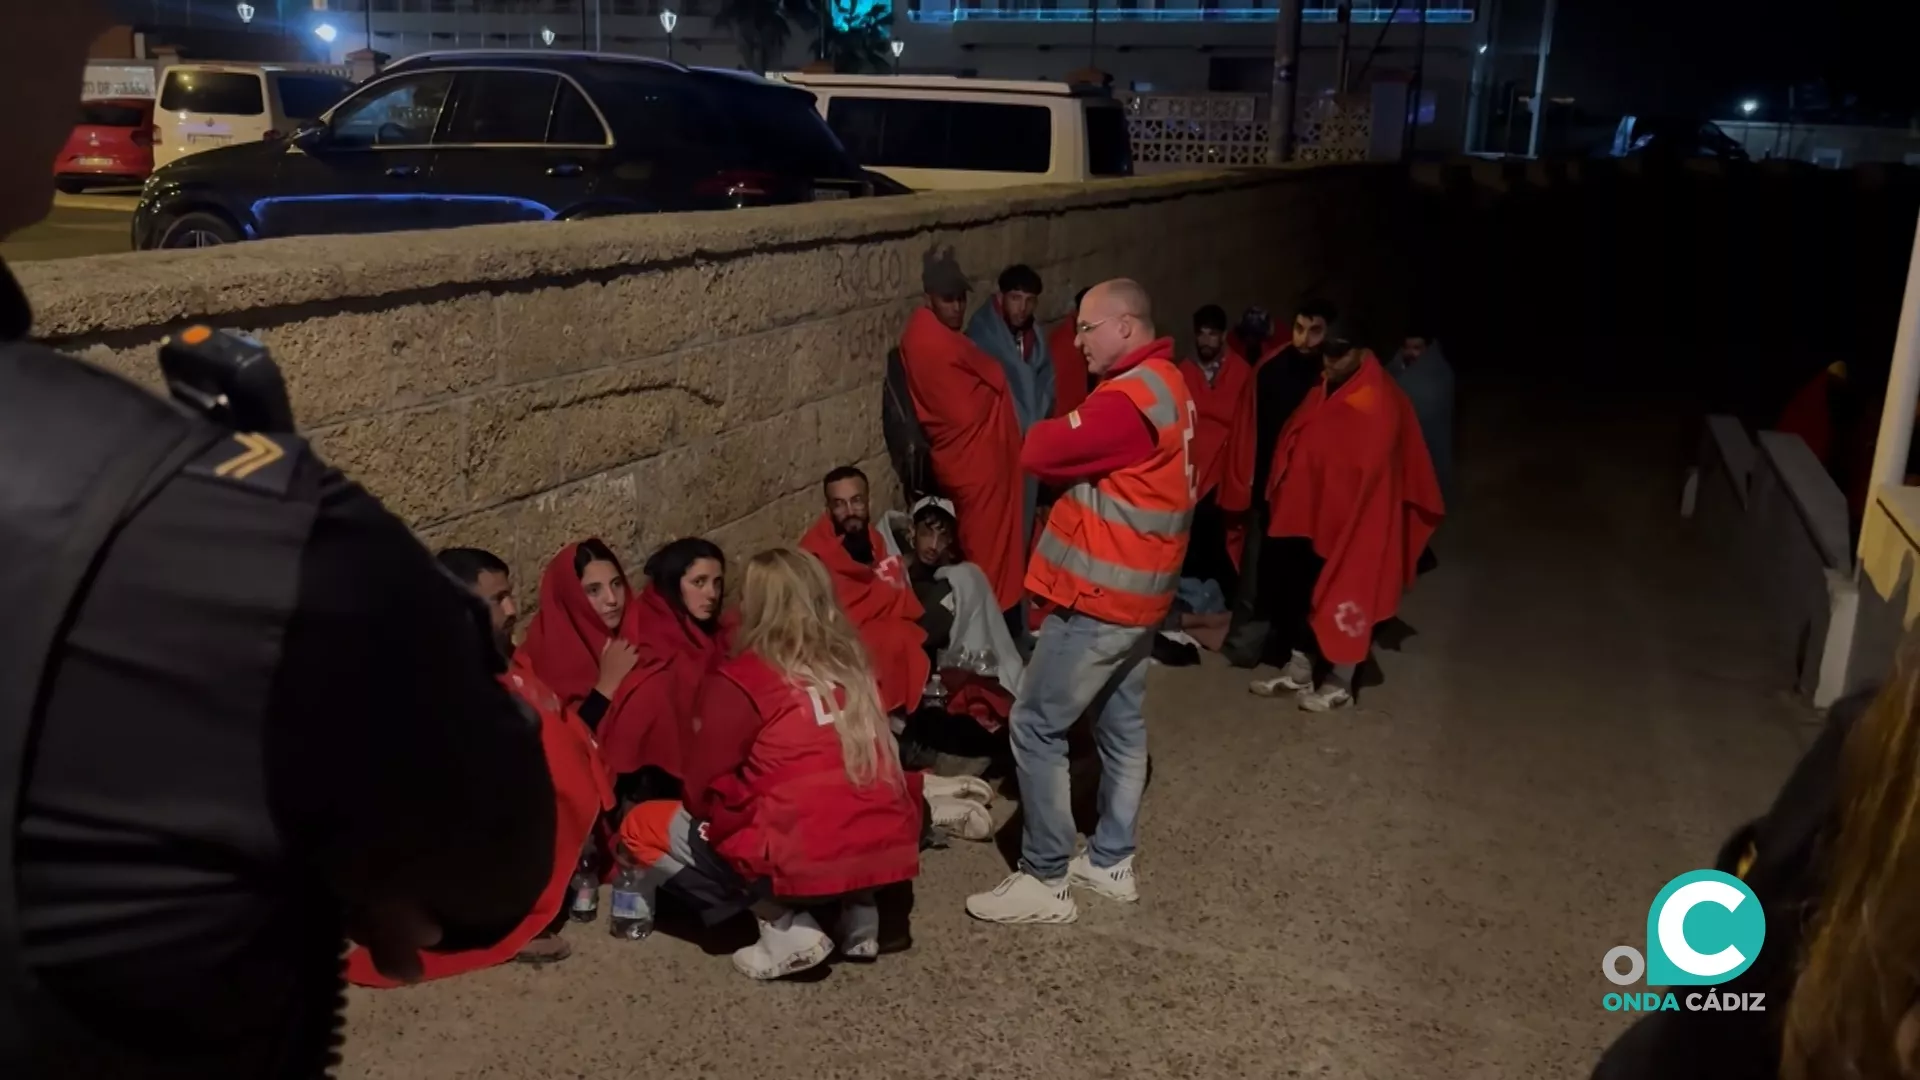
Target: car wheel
70	186
199	230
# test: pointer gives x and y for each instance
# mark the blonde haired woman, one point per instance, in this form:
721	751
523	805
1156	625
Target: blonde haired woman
794	790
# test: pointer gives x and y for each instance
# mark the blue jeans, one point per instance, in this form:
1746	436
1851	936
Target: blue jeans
1080	662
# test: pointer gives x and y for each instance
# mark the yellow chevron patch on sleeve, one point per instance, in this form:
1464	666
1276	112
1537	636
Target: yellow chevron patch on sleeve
259	453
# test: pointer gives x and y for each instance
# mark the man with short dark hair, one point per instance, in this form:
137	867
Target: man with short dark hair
1004	330
967	411
870	581
1221	386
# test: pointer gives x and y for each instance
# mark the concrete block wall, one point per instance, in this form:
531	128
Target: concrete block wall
520	386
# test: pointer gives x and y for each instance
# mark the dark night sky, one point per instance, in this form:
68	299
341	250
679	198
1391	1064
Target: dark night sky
1702	56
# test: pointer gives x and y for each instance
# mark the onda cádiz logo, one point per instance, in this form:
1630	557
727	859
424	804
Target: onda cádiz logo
1704	928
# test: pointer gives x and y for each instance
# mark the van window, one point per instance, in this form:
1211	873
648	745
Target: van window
931	133
223	93
308	97
100	114
402	111
1109	147
500	107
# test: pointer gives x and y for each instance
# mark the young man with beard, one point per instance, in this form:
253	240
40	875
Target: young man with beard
967	411
1004	330
870	581
1352	502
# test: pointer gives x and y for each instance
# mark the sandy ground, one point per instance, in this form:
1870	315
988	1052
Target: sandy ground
1421	887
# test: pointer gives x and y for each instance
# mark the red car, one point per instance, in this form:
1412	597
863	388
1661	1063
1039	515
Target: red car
112	144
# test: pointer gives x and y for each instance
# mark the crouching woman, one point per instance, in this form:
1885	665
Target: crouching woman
794	790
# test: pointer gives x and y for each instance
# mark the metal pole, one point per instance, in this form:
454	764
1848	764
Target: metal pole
1286	59
1540	79
1093	35
1410	137
1903	385
583	24
1344	14
369	4
1487	59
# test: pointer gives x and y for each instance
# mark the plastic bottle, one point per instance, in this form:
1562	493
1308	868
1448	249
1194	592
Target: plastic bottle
632	917
584	891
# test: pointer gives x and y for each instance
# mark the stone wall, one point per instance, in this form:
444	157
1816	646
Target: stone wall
520	386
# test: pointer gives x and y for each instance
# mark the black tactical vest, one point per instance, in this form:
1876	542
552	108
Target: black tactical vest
81	452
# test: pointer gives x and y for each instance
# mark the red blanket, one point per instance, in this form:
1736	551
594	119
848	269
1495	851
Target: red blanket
1070	377
644	724
1351	473
581	789
961	396
882	608
1217	407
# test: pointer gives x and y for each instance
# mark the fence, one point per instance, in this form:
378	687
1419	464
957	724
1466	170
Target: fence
1171	132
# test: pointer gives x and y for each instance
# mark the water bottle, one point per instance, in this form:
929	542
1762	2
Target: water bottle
584	890
632	917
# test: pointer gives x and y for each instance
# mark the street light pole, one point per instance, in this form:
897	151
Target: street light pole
896	47
1093	35
1288	21
1540	79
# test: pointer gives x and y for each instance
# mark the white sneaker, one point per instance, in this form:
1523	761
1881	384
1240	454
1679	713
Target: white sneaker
962	818
859	931
1296	676
1023	898
790	944
1113	882
969	788
1326	698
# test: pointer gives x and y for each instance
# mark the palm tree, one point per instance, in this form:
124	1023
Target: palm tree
763	27
857	36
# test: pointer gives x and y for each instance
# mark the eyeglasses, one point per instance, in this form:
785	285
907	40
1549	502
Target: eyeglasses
1090	327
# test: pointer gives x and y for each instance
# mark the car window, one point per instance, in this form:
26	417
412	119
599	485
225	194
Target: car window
783	131
574	121
100	114
225	93
497	108
1109	147
929	133
651	113
399	112
308	97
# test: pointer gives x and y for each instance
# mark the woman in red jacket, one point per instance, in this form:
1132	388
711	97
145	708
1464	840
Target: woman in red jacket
794	790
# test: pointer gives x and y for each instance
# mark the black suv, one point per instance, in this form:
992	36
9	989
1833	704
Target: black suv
441	140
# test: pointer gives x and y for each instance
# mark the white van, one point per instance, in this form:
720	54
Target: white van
946	133
204	106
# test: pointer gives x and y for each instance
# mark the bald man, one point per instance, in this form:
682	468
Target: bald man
1107	564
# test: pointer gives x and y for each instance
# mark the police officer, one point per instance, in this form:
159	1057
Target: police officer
242	715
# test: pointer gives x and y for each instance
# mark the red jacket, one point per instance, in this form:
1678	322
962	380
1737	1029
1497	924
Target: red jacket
789	813
1071	382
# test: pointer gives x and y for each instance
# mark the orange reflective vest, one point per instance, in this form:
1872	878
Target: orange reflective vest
1113	547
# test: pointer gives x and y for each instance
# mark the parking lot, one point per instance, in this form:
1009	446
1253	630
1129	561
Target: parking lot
79	225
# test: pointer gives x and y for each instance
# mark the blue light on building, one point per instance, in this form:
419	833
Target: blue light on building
1455	12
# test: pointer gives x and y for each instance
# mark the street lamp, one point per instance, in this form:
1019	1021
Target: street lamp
546	36
896	47
246	12
1749	107
668	20
325	32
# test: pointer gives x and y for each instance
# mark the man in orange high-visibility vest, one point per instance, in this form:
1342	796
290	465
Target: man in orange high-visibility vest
1107	562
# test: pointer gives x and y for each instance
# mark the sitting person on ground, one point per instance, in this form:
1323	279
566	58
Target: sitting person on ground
580	788
1353	502
794	789
680	637
870	579
584	643
956	597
